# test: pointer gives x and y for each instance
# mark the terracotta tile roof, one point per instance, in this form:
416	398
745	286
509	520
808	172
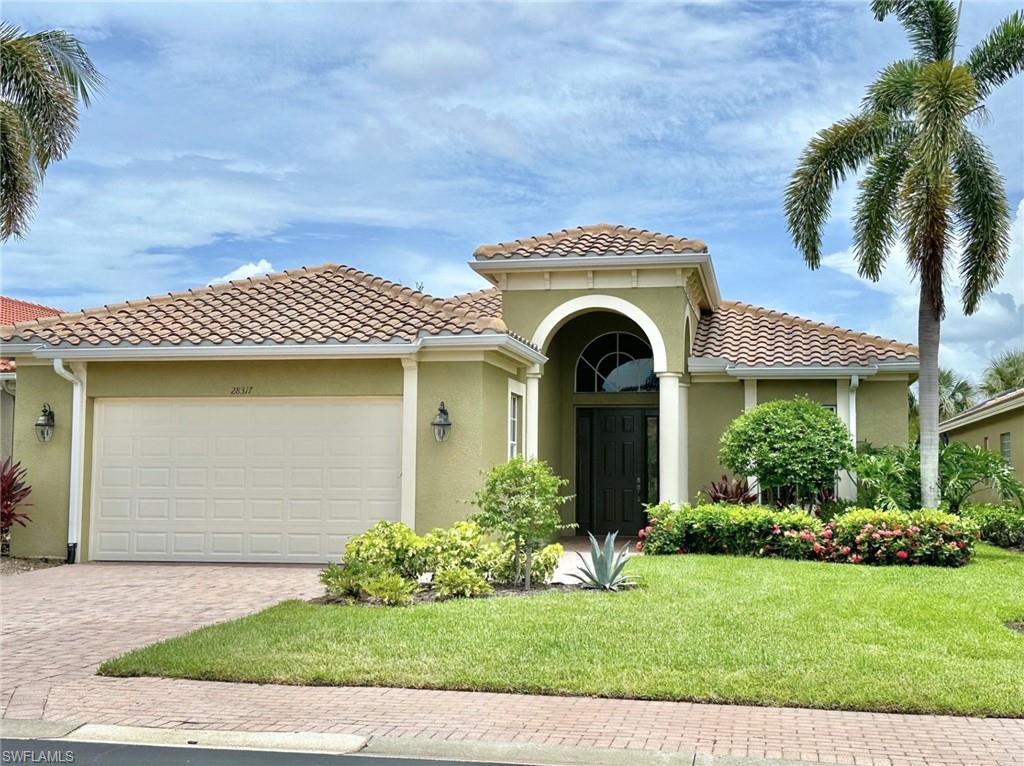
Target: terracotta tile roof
753	336
1007	400
317	305
16	310
487	302
595	240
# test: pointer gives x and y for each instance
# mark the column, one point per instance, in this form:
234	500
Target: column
844	398
410	412
684	442
668	437
749	402
532	412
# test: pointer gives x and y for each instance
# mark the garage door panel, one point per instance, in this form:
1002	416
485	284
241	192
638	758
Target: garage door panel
237	480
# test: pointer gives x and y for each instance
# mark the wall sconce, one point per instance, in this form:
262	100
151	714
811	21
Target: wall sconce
442	424
44	424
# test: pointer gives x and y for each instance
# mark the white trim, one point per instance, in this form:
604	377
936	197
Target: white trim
844	401
967	418
494	341
749	403
684	442
532	413
565	311
8	376
410	413
668	437
76	482
515	388
711	365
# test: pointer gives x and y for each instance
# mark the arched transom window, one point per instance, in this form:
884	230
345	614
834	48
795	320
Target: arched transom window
616	362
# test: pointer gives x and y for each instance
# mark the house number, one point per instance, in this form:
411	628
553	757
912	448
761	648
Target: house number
241	390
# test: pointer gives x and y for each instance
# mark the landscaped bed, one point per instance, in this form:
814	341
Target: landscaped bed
708	628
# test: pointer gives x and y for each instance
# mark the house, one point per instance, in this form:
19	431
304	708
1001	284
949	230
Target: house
996	424
269	419
13	310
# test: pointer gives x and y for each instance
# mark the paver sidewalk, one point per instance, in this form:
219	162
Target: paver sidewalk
58	624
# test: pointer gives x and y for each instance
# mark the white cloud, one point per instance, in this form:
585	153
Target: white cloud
246	270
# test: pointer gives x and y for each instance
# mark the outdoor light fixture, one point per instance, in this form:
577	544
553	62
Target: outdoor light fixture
44	424
442	424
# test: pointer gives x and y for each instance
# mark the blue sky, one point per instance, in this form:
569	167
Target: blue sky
242	137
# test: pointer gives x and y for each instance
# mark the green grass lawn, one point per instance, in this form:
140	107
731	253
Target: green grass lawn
705	628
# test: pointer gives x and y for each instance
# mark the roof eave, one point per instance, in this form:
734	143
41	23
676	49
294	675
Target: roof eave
710	365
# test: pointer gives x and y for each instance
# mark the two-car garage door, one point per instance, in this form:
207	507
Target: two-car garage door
283	480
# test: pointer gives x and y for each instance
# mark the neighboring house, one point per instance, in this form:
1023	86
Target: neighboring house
13	310
996	424
270	419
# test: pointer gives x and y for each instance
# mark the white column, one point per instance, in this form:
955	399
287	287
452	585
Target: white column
410	413
847	487
668	437
749	402
854	384
684	442
532	412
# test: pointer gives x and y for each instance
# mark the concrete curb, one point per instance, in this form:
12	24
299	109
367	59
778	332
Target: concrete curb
13	728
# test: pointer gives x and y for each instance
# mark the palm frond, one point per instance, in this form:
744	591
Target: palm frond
832	155
931	25
68	56
18	175
1004	372
984	220
944	95
893	92
1000	55
875	217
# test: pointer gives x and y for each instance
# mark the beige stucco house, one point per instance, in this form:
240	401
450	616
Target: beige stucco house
269	419
996	424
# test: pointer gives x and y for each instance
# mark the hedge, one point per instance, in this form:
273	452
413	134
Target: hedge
1001	525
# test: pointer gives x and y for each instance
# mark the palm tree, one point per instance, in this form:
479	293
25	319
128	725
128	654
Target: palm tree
1004	372
956	393
42	78
929	179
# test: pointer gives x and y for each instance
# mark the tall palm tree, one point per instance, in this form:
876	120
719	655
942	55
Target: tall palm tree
956	393
43	76
929	179
1004	372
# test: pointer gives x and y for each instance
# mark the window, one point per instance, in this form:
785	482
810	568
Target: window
616	362
515	409
1004	447
984	443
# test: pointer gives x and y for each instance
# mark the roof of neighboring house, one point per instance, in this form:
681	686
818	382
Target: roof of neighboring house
16	310
602	239
1000	403
751	336
317	305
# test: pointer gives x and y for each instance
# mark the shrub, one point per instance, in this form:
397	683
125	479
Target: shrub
795	447
460	545
519	502
499	566
387	546
894	537
735	491
460	582
14	490
342	581
964	469
1001	525
390	589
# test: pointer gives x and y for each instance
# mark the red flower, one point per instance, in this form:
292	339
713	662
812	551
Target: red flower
639	547
845	550
901	555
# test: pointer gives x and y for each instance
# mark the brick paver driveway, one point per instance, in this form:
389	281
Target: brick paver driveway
58	624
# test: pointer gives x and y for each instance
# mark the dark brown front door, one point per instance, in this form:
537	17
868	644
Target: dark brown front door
614	468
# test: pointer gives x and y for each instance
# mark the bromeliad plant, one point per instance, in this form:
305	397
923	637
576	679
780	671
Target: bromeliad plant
605	569
734	491
14	490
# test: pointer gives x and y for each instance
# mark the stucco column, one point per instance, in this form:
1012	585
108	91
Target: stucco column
749	402
532	412
668	437
410	413
684	442
847	488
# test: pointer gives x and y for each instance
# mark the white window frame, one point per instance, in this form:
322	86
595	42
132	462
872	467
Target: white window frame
1006	447
516	402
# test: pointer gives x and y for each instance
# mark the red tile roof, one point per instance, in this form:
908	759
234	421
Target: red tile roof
748	335
16	310
602	239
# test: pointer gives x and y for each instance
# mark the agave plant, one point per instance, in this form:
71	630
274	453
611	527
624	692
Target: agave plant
604	571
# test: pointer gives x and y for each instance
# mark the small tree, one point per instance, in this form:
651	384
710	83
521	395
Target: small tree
796	446
519	501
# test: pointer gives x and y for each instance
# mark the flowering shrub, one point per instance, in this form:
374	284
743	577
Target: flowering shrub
860	536
999	524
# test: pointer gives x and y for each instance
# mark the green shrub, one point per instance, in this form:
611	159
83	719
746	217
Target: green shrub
342	581
930	537
460	582
390	589
794	447
499	565
461	545
387	546
1001	525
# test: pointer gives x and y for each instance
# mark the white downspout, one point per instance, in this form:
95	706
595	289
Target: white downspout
76	376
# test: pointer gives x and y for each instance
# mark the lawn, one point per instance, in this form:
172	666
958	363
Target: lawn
705	628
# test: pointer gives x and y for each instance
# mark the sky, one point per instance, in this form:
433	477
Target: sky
238	138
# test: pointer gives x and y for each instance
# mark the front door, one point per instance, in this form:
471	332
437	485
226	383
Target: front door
616	468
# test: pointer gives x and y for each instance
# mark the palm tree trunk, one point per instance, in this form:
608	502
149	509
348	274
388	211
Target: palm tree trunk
928	324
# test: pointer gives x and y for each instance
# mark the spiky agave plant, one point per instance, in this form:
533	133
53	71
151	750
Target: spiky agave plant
605	569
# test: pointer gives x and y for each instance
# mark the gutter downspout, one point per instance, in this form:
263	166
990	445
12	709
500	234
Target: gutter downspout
854	383
76	375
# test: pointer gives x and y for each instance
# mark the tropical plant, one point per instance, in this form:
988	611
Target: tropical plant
794	448
389	546
956	393
1003	373
928	179
43	76
519	501
966	468
390	589
604	571
1001	525
14	491
460	582
735	491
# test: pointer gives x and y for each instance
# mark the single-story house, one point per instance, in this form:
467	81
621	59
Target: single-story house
996	424
12	311
270	419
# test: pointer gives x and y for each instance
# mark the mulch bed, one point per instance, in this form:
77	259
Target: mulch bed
1017	626
9	566
427	596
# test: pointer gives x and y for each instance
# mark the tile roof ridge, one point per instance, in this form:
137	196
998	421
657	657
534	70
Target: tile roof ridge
671	240
793	319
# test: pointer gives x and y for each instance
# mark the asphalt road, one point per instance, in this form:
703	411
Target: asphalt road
42	751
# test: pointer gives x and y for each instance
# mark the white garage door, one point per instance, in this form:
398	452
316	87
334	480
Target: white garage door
285	480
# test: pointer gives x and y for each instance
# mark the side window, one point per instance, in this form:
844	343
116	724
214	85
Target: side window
1005	448
515	417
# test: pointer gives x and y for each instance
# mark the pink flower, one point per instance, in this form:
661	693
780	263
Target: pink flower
639	546
901	555
845	550
816	547
856	558
827	533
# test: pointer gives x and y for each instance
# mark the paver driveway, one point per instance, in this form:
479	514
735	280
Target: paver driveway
59	624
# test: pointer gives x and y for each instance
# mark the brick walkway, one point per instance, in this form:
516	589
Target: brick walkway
58	624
